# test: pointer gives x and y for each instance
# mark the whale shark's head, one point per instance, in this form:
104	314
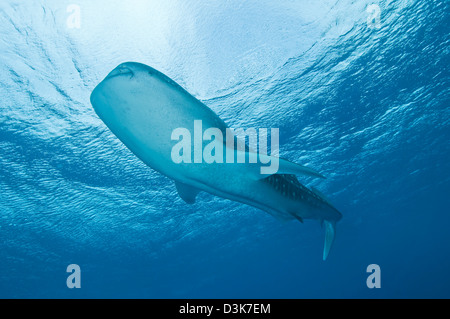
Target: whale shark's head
128	94
112	95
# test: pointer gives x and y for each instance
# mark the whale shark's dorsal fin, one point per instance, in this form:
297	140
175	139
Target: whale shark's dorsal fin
187	193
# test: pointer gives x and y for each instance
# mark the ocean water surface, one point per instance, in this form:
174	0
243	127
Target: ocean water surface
358	89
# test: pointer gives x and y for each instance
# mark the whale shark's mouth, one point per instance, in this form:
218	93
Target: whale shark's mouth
120	71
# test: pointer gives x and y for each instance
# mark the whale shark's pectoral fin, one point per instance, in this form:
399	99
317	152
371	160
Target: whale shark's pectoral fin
287	167
270	165
330	233
186	192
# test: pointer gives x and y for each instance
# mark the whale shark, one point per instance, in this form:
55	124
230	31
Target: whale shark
142	107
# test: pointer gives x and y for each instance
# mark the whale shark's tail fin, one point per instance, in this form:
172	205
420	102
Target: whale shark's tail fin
330	233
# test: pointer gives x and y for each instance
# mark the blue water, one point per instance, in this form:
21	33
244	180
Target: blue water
366	106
